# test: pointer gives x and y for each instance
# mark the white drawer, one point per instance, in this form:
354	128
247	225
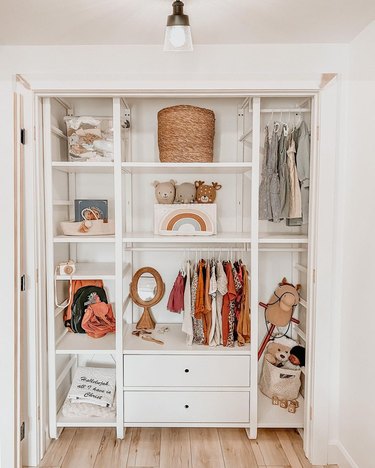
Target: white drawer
186	371
193	407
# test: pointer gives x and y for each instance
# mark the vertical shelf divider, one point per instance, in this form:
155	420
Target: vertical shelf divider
117	146
254	268
47	144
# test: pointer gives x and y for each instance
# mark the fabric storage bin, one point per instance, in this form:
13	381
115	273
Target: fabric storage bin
186	134
90	138
194	219
98	228
276	381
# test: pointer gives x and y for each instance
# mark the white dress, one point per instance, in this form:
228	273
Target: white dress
187	323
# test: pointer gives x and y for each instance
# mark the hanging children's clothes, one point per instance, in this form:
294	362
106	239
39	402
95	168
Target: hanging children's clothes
283	172
187	324
303	167
214	337
207	318
265	212
198	335
229	308
295	207
243	326
222	289
176	296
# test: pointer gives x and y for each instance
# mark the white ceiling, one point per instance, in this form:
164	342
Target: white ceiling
59	22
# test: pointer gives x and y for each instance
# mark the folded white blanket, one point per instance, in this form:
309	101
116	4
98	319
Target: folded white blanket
94	385
72	409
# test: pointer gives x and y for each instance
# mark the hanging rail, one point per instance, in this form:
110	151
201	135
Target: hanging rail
279	111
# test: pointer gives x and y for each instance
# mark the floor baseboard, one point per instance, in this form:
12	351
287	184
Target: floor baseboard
337	454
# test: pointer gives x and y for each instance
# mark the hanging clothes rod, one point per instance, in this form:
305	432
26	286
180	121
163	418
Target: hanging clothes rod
180	249
279	111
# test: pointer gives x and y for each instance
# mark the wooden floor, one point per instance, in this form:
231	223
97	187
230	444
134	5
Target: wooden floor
175	448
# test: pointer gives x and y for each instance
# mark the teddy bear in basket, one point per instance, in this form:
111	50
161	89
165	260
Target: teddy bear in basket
278	353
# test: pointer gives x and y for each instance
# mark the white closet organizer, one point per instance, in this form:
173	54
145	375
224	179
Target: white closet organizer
173	384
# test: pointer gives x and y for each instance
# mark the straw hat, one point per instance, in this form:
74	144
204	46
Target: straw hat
281	305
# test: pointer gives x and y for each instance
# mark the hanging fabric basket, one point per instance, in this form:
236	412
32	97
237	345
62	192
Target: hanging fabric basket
186	134
276	381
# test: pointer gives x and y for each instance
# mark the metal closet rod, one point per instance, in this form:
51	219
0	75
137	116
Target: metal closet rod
287	111
216	249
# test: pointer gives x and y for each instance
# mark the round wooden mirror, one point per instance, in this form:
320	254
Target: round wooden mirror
146	290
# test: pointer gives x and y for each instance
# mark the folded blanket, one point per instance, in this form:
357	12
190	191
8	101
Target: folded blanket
83	410
94	385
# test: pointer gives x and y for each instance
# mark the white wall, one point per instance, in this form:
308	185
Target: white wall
356	375
138	66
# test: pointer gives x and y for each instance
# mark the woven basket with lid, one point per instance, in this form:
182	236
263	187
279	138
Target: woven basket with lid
186	134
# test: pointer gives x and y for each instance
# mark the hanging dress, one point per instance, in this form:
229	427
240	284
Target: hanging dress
176	296
274	178
283	174
295	206
303	167
214	337
229	308
198	335
244	324
265	212
187	323
222	289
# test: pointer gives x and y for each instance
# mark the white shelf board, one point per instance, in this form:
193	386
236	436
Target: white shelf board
63	421
80	343
277	238
85	271
83	167
186	168
224	238
83	239
174	343
272	416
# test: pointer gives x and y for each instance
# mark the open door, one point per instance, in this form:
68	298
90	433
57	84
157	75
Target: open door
26	334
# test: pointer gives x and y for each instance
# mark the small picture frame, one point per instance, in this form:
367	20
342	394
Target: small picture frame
90	209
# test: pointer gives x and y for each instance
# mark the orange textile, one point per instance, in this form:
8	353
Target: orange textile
244	324
199	302
99	320
229	296
207	318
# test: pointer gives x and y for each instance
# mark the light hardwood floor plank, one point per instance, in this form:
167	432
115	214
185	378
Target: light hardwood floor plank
286	444
257	452
236	448
205	448
83	448
271	449
113	452
58	449
145	447
175	448
297	445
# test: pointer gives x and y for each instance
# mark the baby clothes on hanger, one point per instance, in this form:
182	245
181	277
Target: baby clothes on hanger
243	326
274	187
214	337
222	289
198	335
283	173
229	305
265	212
176	296
303	167
295	206
207	318
187	324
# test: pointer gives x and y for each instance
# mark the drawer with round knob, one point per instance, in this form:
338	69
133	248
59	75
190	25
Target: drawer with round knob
186	407
186	371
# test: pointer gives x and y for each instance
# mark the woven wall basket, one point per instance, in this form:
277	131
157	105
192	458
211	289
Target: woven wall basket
186	134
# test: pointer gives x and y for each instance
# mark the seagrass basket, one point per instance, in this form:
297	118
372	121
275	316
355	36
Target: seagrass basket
186	134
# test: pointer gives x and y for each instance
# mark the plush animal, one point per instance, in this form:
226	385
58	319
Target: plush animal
206	193
185	193
165	192
277	353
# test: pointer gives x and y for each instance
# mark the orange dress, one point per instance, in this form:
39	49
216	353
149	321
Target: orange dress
244	324
227	299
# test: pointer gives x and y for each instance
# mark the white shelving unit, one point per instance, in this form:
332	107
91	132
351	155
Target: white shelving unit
269	251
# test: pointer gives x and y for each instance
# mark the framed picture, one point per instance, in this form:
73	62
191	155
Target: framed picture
90	209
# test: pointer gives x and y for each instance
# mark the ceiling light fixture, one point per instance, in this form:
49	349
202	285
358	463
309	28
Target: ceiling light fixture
177	32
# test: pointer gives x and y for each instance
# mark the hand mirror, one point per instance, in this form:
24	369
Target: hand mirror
146	290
